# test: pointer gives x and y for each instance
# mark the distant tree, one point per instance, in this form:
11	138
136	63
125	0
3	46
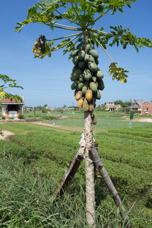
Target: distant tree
123	104
87	78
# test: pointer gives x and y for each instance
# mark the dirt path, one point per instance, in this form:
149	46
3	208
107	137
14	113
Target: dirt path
136	119
147	120
59	127
5	134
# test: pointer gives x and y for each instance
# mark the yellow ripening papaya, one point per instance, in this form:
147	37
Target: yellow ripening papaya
80	103
78	95
91	107
85	105
89	95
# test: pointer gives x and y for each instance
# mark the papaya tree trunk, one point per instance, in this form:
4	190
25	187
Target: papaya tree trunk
89	171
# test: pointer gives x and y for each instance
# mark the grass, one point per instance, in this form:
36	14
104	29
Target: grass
105	120
34	160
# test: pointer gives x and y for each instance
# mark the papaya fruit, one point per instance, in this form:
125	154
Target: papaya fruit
81	78
80	85
93	86
91	59
100	74
74	85
81	55
94	53
91	107
85	105
87	47
76	74
80	103
75	60
86	57
92	66
98	95
78	95
87	74
81	64
94	78
89	95
101	84
84	89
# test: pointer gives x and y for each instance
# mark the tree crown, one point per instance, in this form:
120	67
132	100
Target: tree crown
82	16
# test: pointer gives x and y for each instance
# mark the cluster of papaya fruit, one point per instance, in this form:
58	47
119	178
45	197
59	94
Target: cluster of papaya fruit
86	77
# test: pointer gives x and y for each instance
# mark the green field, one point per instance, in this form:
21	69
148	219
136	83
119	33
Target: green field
34	160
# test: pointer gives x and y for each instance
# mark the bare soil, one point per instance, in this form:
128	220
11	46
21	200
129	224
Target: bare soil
147	120
5	134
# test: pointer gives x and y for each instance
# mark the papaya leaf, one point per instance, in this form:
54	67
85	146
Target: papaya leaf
118	73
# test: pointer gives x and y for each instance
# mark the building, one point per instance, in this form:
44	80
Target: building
112	107
136	106
12	109
146	108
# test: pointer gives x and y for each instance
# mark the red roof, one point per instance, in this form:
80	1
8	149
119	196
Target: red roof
6	100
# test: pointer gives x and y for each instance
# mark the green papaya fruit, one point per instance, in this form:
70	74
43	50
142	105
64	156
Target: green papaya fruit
74	85
87	74
94	79
75	60
81	78
86	57
98	95
88	47
81	55
81	64
92	66
91	59
84	89
93	86
94	53
100	74
96	61
75	74
80	85
101	84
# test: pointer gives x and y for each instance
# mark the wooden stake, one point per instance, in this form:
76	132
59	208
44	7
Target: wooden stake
99	164
72	169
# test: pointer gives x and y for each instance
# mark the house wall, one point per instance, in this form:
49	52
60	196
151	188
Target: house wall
4	110
146	109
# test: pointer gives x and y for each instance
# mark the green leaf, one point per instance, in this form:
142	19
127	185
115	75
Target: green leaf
120	36
118	73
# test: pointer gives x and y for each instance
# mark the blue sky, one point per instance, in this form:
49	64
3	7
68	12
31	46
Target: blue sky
47	81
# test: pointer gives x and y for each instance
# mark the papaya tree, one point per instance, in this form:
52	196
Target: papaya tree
87	79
